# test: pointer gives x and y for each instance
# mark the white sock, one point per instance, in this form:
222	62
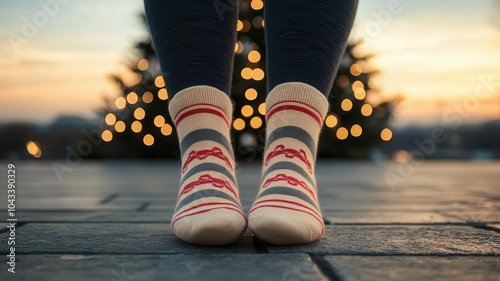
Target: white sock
286	210
208	210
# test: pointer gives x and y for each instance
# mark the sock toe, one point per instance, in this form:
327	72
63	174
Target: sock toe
208	209
284	227
215	228
286	210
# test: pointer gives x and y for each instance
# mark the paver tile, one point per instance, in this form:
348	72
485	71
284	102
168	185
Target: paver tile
400	240
411	268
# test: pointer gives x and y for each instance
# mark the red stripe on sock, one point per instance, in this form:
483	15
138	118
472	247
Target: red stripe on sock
203	205
198	111
207	210
289	202
297	102
293	209
198	104
276	108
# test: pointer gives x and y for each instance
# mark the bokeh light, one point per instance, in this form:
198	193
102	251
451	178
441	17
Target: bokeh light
386	134
162	94
136	126
257	22
120	126
31	147
132	98
250	94
166	129
254	56
110	119
342	133
357	84
238	47
239	124
34	149
139	113
262	108
256	122
401	156
120	103
356	69
366	110
342	81
247	110
258	74
159	121
143	64
359	93
246	73
147	97
356	130
148	140
346	105
331	121
246	26
257	4
159	82
107	135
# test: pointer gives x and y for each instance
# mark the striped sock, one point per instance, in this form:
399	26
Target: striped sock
286	210
208	209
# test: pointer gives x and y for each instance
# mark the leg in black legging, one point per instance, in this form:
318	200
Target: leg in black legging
305	43
306	40
195	41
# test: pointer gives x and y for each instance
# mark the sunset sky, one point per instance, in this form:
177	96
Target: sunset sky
434	53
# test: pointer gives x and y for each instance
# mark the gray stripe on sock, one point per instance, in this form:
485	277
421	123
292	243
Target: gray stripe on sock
205	193
292	132
284	165
283	190
204	135
208	167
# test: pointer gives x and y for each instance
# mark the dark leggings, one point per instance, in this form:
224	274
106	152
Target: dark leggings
195	41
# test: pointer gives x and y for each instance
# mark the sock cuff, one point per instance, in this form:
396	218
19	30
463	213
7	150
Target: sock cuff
200	95
300	92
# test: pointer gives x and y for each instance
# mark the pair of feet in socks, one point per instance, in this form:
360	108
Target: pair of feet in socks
286	210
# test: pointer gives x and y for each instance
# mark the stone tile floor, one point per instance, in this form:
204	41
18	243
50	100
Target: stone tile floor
110	221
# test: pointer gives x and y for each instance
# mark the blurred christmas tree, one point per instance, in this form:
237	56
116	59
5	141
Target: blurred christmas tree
359	115
139	124
249	82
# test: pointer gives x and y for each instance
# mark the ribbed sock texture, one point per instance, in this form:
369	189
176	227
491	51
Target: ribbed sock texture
208	209
286	210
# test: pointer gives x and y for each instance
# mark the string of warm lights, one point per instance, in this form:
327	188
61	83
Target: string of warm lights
132	99
34	149
359	93
251	115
